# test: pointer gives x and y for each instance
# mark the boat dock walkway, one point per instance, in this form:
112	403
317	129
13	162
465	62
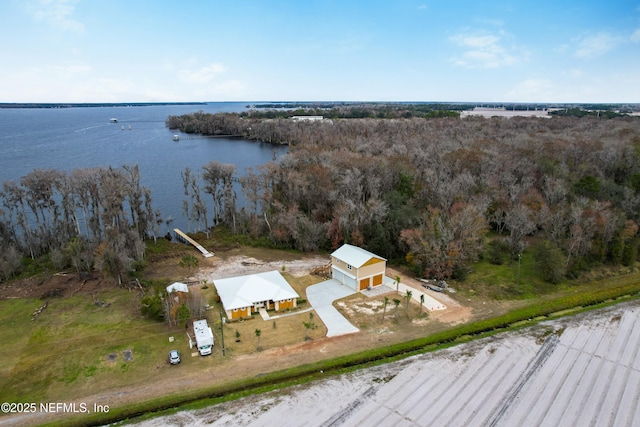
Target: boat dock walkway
198	246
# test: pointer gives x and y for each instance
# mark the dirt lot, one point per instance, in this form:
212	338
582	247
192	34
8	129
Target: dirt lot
53	286
373	331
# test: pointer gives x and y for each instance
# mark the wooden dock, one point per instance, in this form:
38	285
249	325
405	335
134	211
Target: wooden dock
188	239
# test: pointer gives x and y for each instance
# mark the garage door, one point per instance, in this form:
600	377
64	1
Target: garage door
343	278
377	280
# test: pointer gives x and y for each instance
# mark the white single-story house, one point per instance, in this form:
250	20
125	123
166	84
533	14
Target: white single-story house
357	267
244	295
177	287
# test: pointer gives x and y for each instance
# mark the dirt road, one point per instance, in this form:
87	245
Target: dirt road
574	371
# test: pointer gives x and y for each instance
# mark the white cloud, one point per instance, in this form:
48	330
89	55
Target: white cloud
563	48
210	82
57	13
230	88
578	86
84	82
491	21
482	51
482	42
48	73
106	89
72	69
575	73
532	90
203	74
594	45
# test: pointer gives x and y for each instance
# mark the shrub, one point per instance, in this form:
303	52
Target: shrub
497	251
189	261
630	253
550	261
152	306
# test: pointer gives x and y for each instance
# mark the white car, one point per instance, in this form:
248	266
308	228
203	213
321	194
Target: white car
174	357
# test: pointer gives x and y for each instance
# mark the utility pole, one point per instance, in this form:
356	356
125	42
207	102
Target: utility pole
519	256
222	330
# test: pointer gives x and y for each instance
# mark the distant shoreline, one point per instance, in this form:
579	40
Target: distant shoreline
91	104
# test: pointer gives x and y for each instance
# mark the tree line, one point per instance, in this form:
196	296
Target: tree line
87	218
356	110
429	192
436	194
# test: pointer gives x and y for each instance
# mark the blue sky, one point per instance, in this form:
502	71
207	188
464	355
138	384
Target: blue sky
307	50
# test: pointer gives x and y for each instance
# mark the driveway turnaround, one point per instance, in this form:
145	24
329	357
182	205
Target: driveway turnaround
321	297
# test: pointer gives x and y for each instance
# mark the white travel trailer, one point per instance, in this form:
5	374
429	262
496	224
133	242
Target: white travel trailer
204	337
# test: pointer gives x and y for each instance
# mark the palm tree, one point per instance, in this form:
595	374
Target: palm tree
384	307
408	297
258	333
421	302
398	284
396	301
189	261
308	325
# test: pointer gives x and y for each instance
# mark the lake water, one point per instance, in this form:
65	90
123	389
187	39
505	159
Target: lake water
71	138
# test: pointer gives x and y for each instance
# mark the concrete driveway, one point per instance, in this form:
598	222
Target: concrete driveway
321	297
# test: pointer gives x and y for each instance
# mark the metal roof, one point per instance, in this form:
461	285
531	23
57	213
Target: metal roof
244	291
177	287
354	255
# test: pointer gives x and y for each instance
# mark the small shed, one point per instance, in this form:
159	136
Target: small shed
357	268
243	295
177	287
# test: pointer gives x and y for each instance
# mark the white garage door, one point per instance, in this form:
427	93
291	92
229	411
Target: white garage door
343	278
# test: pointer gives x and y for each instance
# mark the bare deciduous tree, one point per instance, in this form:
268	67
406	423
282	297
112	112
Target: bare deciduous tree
519	223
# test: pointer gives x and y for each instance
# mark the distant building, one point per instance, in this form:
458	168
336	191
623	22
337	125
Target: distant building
357	267
489	112
306	118
244	295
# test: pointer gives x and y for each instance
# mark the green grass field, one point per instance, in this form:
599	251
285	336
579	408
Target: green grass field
75	346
